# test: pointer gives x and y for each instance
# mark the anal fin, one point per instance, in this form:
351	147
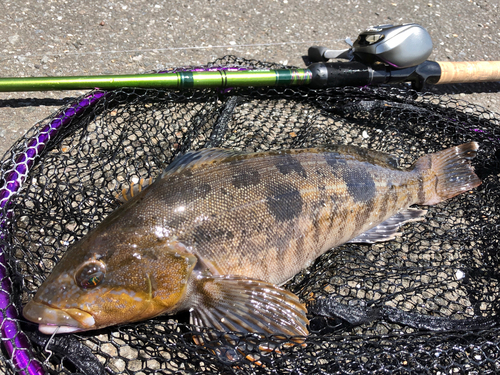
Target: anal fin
388	230
240	304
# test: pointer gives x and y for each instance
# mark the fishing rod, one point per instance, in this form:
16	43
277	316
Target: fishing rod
383	54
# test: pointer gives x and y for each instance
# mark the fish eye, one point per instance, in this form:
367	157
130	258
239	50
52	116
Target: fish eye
90	275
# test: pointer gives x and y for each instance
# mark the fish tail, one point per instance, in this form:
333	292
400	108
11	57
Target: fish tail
447	173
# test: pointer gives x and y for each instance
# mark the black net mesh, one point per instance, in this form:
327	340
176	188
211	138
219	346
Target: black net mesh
427	302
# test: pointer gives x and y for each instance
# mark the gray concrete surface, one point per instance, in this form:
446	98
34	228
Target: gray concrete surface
69	37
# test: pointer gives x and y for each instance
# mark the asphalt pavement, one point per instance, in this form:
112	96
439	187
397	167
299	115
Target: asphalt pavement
69	37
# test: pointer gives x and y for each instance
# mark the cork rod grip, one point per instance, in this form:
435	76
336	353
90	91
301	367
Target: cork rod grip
469	71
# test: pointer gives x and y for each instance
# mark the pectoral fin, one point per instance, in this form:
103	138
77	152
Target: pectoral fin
389	229
235	303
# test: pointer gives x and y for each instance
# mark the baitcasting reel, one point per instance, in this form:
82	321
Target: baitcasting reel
400	46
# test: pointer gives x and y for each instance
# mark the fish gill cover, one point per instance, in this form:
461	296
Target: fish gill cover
426	302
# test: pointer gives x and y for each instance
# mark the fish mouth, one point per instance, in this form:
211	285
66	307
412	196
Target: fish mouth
52	320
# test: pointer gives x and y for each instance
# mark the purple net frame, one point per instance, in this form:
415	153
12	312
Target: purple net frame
14	340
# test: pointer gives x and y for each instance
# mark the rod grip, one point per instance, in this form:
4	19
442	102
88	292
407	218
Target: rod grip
469	71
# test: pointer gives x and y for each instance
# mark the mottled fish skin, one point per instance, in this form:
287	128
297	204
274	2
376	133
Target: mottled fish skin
286	207
220	229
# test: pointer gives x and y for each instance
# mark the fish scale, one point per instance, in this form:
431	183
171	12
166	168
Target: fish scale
286	202
219	231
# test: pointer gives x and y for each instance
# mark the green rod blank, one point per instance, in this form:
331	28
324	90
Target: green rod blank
178	80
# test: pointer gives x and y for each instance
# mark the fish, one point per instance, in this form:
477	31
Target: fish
220	231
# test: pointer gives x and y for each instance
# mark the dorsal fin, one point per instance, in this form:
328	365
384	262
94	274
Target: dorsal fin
363	154
210	155
134	189
198	158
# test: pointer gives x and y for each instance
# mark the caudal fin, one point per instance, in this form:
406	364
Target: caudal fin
447	173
